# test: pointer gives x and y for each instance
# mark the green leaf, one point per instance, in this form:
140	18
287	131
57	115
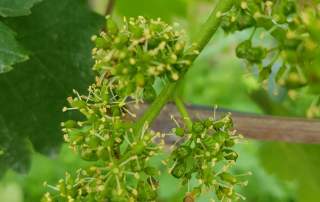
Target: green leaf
14	8
10	51
57	34
165	9
295	162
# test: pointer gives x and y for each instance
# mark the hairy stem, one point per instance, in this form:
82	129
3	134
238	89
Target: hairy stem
205	34
183	111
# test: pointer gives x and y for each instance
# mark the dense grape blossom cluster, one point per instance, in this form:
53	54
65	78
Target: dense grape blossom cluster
134	55
287	22
128	60
207	154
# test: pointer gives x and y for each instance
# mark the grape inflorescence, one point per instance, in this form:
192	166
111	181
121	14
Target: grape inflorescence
128	59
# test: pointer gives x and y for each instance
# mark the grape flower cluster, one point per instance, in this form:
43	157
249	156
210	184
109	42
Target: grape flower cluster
206	154
134	55
128	60
288	23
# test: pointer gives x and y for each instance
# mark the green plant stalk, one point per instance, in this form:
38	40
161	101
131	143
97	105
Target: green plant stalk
155	108
207	31
212	24
183	111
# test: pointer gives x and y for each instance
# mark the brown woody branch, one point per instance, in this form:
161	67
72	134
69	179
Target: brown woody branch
259	127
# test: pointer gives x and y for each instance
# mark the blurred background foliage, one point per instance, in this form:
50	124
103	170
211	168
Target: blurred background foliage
53	38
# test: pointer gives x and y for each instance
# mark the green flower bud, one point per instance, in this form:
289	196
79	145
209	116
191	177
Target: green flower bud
253	6
182	151
69	124
227	191
245	21
292	44
228	177
137	32
140	80
220	137
103	154
152	171
230	154
294	80
208	123
197	127
179	132
102	43
256	54
289	7
242	48
229	143
92	141
155	27
88	155
179	170
121	41
62	187
135	167
227	25
111	26
76	136
76	103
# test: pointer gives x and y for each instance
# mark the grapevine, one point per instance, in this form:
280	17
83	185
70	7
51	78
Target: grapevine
129	59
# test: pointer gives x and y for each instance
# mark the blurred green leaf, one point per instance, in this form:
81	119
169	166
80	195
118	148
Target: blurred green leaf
166	9
15	152
13	8
295	162
11	193
44	169
262	186
10	51
57	35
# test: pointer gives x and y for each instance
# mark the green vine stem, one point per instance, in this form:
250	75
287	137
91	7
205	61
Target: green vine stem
183	111
207	31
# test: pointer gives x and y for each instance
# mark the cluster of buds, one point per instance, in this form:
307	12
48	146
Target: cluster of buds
128	59
206	154
122	171
246	50
293	45
251	13
134	54
108	182
102	131
106	136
